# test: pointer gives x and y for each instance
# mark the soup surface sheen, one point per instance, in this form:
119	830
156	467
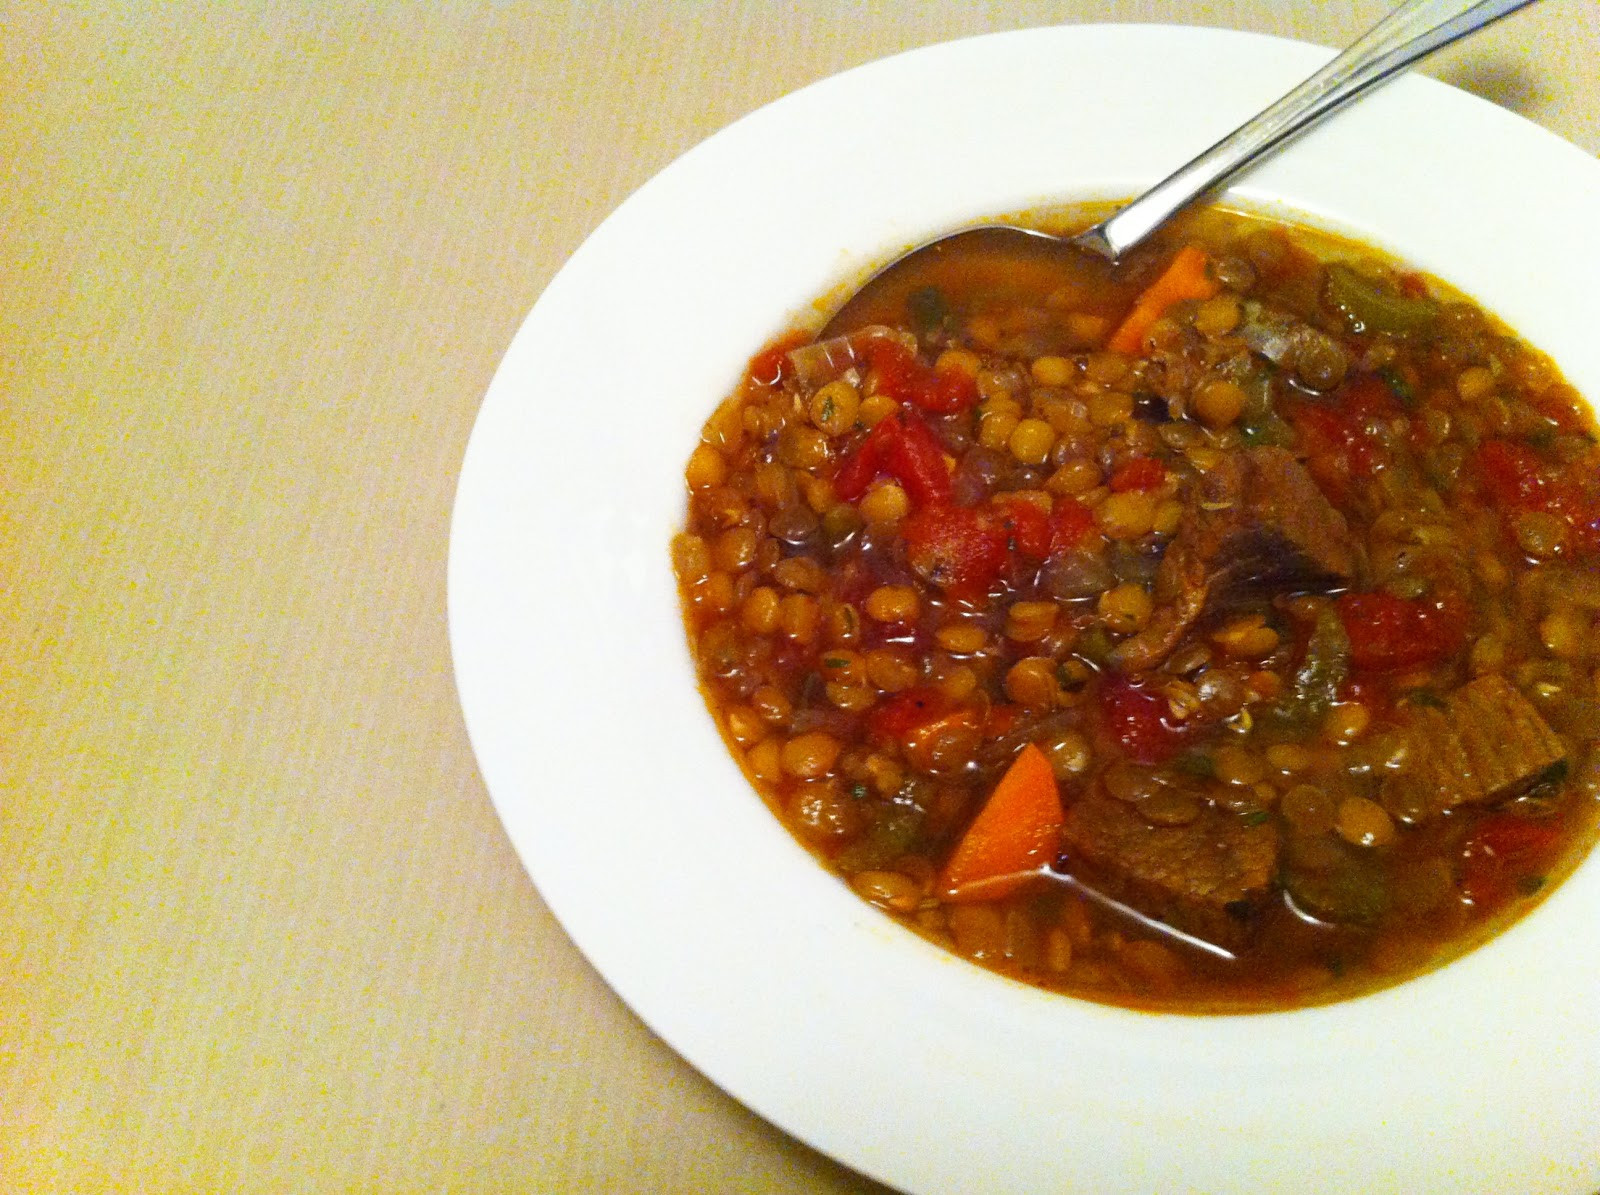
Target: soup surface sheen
1219	632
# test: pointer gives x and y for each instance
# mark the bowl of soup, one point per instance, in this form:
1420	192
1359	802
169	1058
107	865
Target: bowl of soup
1077	728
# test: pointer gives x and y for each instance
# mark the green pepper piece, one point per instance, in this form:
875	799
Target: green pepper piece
1094	644
1398	386
1198	764
1368	307
1259	421
892	834
1315	685
1269	429
1424	697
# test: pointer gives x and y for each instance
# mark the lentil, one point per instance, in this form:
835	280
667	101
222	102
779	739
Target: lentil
892	603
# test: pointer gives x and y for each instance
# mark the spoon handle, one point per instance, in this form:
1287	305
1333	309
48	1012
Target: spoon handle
1415	29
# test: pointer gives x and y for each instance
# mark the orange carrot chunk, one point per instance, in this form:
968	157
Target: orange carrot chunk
1185	277
1015	833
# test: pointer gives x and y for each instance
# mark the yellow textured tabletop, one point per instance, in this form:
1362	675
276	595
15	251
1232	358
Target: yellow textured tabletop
260	929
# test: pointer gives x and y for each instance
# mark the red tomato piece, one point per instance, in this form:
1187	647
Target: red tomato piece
905	378
1583	512
1139	719
947	391
1141	473
771	364
1320	426
896	367
1368	395
916	459
1512	837
1027	527
897	716
860	467
1070	521
1504	850
1339	451
1321	435
1483	881
1413	285
1511	473
1370	691
1388	633
1001	720
905	448
960	550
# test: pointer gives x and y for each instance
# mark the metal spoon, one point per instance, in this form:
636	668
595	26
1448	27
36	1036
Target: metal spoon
1415	29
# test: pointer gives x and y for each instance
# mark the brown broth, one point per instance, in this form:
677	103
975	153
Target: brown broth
877	659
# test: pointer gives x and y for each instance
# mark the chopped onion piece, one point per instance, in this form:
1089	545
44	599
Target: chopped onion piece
1269	333
818	364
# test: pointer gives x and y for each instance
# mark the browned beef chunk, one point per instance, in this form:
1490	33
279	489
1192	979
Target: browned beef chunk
1263	524
1485	743
1256	525
1198	878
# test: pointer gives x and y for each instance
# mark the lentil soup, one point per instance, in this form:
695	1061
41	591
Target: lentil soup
1212	633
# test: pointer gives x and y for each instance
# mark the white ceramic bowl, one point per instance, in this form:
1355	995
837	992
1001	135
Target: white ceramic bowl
672	877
